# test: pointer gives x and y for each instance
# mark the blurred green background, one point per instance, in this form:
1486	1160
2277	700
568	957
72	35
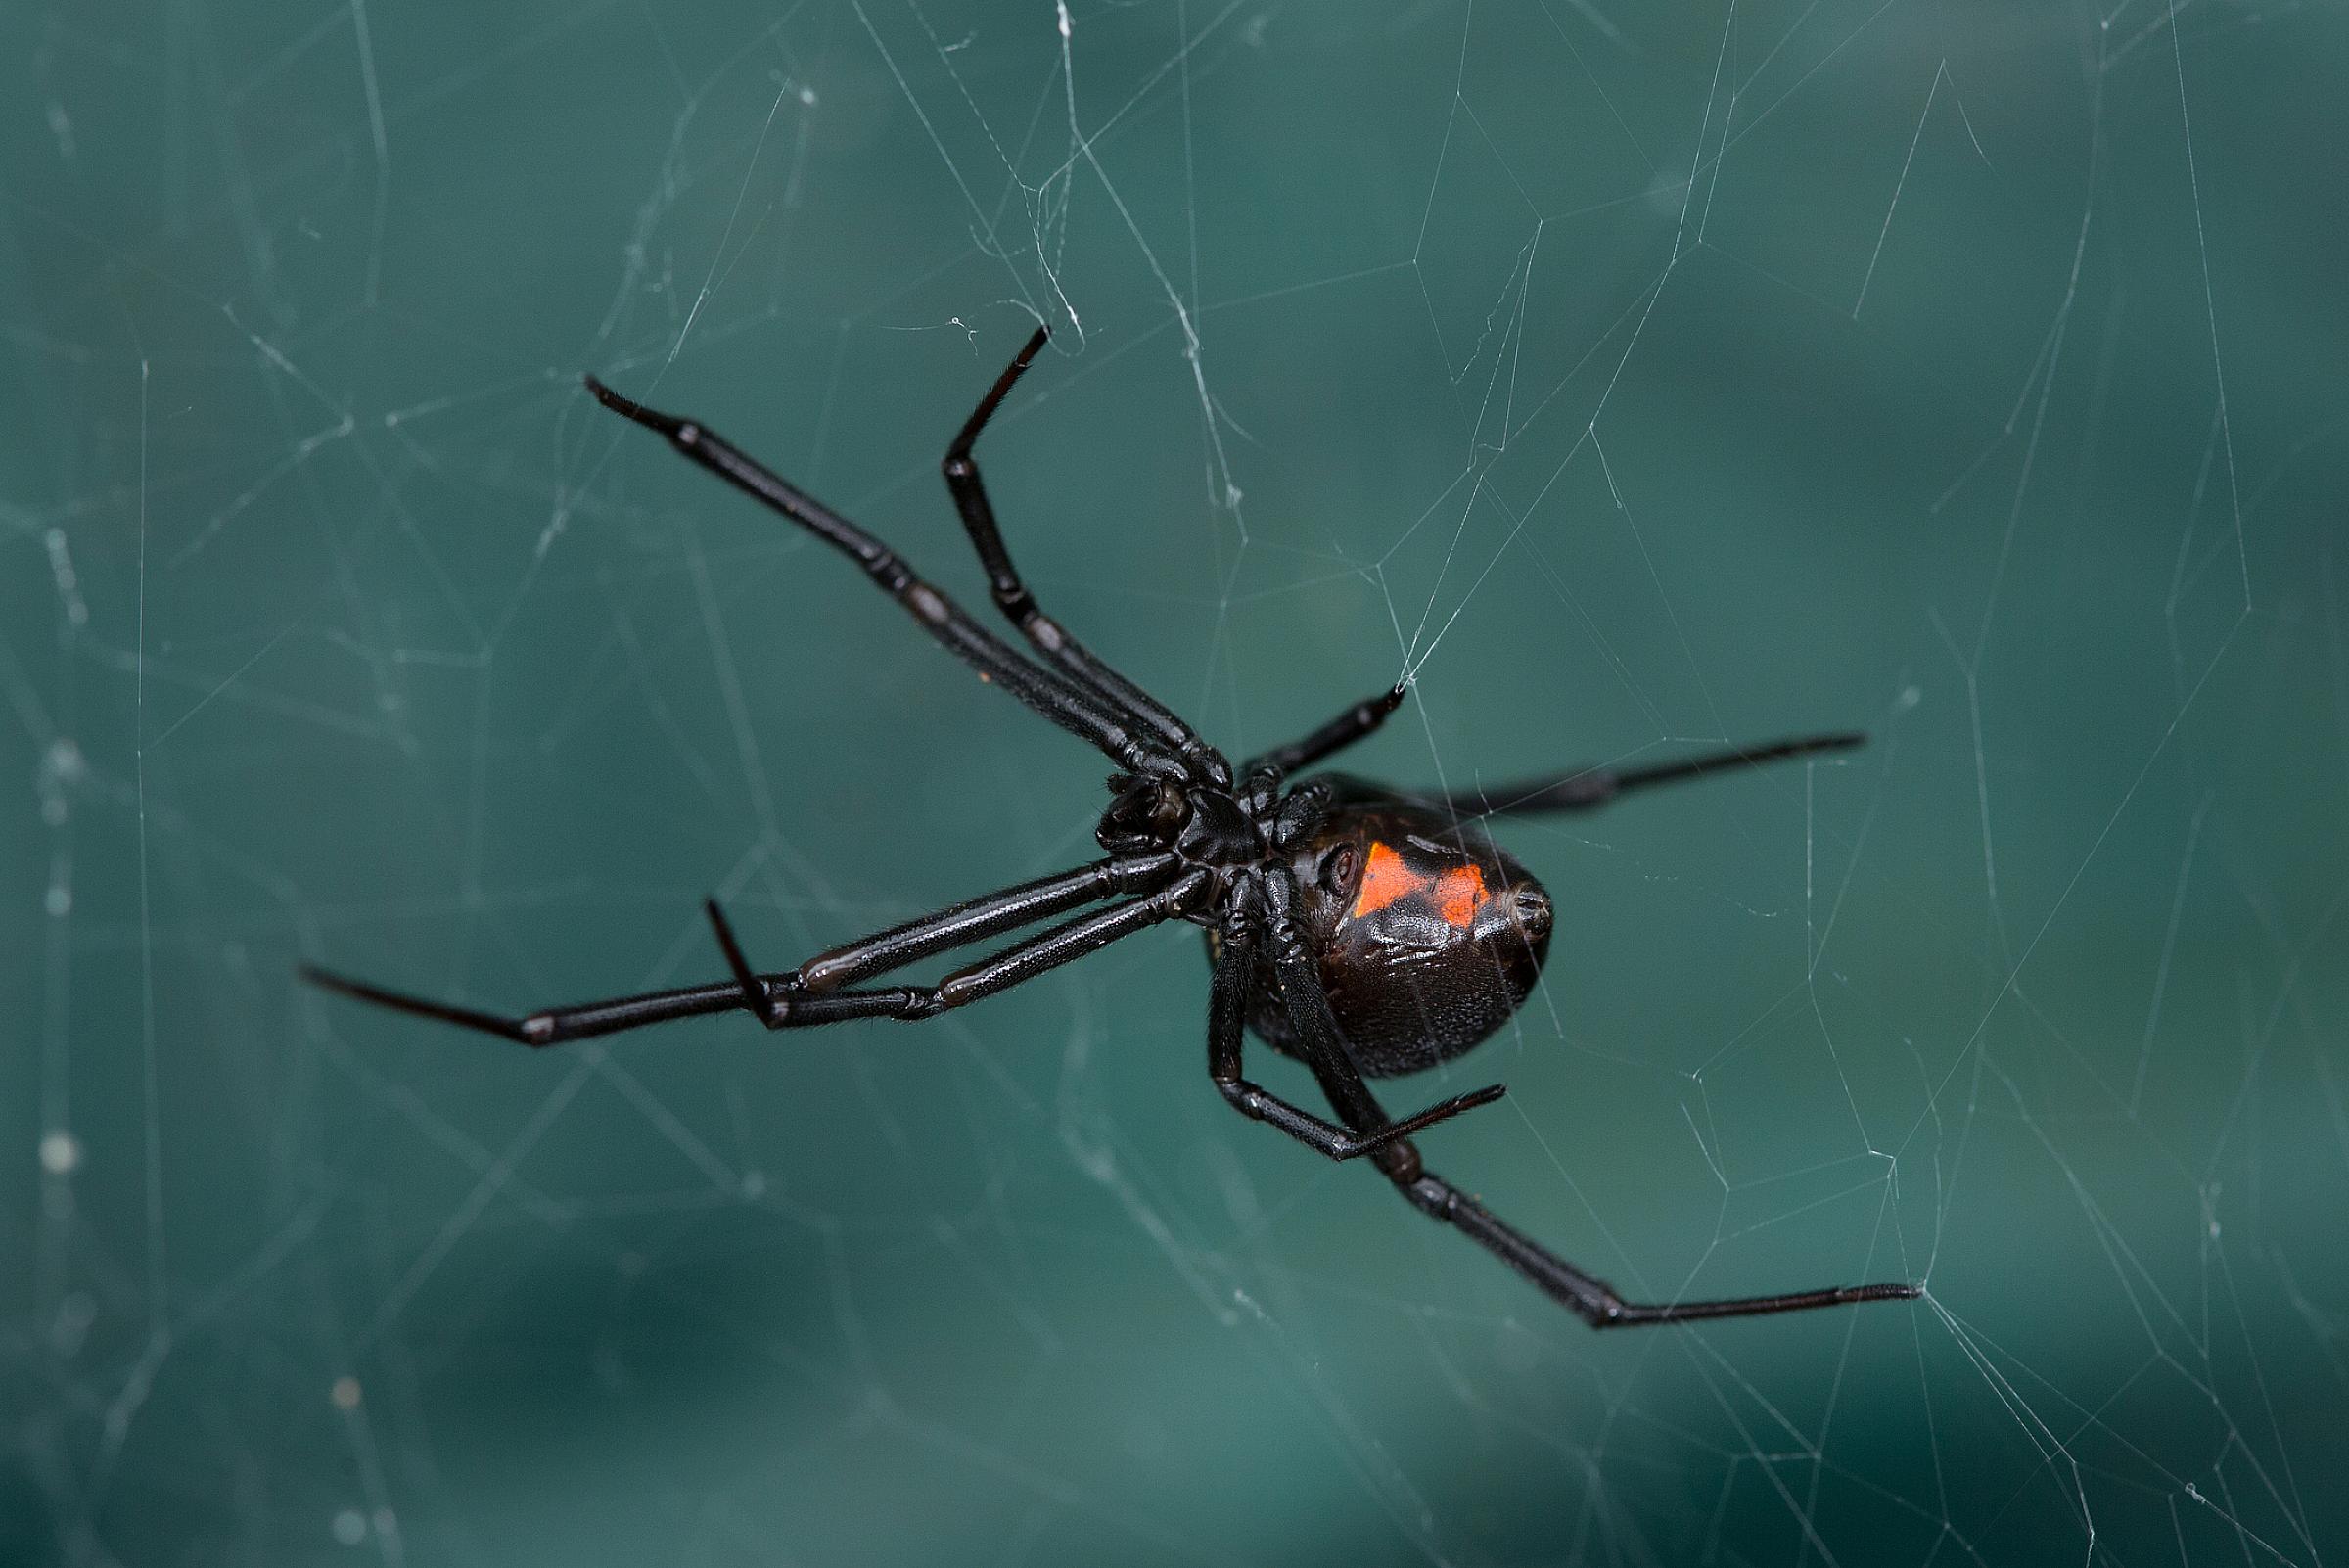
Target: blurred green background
1631	377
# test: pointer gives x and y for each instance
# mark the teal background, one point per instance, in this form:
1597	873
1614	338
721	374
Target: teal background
1632	378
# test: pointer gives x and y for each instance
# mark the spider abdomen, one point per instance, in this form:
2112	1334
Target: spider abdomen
1429	936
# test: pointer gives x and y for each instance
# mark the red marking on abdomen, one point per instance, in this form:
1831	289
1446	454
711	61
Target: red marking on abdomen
1385	880
1456	895
1460	894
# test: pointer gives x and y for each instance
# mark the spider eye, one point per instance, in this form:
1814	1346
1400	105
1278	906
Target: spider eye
1338	868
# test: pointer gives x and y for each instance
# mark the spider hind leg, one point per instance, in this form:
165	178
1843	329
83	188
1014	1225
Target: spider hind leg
1587	1297
1239	938
1586	789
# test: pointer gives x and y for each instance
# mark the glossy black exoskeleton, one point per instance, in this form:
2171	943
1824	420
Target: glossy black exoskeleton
1429	935
1366	932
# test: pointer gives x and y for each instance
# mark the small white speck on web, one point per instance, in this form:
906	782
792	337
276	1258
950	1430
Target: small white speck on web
351	1527
553	531
61	1152
70	1327
61	770
1065	24
69	584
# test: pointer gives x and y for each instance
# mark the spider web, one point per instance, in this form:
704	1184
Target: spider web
1629	382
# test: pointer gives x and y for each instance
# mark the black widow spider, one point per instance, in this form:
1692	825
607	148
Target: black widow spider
1364	931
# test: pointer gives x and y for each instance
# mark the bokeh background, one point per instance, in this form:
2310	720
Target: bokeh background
1630	378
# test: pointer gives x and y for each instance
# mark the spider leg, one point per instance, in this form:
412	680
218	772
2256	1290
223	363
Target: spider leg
958	925
990	915
1047	635
1592	1299
551	1026
1082	713
1343	732
1588	788
755	999
1588	1297
1236	957
778	1006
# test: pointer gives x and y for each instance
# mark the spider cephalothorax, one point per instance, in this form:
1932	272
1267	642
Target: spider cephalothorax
1201	824
1366	932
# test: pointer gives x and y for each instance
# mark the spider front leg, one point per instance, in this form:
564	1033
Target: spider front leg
1075	707
1044	635
1238	939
